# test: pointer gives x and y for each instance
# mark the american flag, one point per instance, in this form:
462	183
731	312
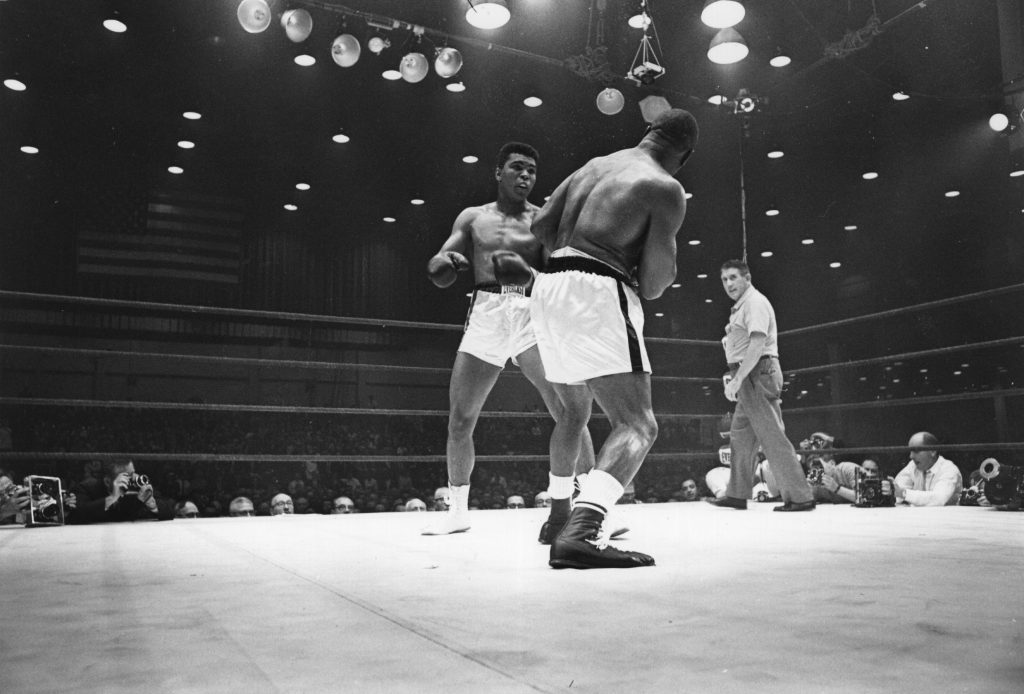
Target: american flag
166	234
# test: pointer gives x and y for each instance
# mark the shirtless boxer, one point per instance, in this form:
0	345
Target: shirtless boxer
497	237
611	228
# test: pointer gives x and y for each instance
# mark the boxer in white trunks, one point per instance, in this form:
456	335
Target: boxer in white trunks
498	328
611	231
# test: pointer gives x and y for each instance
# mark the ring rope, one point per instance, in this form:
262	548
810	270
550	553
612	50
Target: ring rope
280	316
907	355
286	363
922	400
503	458
293	409
989	293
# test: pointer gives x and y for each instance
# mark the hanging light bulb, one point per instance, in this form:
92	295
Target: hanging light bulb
488	15
727	47
298	25
254	15
448	62
414	67
720	14
610	101
377	44
345	50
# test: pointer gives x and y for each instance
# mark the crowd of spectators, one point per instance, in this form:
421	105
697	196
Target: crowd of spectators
207	488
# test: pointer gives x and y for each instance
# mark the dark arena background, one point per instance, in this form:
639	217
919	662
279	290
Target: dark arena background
215	219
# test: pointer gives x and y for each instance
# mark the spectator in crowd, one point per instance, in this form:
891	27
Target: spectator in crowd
689	490
343	505
542	500
128	496
186	509
870	469
928	479
415	505
241	506
282	505
830	481
441	499
515	501
302	506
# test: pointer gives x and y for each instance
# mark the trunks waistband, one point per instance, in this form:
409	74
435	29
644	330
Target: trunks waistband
495	288
733	366
593	267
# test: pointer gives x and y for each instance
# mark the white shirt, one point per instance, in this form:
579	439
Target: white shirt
940	485
752	313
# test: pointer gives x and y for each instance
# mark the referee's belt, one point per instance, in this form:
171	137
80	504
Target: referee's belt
495	288
733	366
589	265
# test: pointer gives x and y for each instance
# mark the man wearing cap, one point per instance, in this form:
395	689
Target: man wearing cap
928	479
754	383
836	483
241	507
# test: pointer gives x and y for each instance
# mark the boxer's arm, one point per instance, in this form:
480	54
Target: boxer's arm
658	262
452	258
545	224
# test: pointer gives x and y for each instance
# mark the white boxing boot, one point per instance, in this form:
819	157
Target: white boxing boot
456	518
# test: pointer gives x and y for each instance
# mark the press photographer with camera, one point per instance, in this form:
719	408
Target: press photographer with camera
14	499
928	479
129	496
831	482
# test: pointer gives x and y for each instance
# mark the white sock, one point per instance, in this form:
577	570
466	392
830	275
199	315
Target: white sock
459	498
600	491
559	487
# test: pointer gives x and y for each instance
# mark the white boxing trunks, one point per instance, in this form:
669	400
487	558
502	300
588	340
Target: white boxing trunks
588	320
498	325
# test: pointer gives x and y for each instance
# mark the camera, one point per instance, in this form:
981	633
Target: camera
47	501
1004	484
869	493
969	496
646	72
135	483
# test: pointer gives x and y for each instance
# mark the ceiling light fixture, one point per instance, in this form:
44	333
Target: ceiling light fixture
870	175
532	101
378	44
999	122
850	227
389	220
302	186
192	115
646	66
720	14
186	144
447	62
115	25
290	207
392	75
780	60
716	99
900	96
835	265
610	101
766	254
29	149
15	85
776	154
491	14
771	212
345	50
254	15
470	159
952	193
807	242
416	201
1017	173
455	87
298	25
341	138
305	60
727	47
176	170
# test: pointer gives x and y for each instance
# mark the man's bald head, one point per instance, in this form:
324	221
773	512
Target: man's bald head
676	127
924	440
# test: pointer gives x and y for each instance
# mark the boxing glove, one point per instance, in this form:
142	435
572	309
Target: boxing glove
510	268
444	267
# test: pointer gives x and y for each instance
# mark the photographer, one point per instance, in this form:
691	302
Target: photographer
14	499
831	482
129	496
928	479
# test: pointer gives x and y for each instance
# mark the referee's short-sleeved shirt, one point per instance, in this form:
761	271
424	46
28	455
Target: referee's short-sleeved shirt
752	313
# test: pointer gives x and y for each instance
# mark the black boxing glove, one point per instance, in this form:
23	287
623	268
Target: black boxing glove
510	268
444	267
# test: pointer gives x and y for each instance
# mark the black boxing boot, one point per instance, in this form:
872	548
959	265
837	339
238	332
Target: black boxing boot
556	521
580	545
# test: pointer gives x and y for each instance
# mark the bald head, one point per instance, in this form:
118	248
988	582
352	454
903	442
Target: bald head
924	440
676	127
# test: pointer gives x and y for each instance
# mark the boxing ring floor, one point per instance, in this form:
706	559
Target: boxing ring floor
840	599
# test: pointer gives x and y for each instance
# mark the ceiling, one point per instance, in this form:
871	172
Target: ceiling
105	107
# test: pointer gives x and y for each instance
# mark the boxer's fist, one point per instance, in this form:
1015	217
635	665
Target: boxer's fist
510	268
444	267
